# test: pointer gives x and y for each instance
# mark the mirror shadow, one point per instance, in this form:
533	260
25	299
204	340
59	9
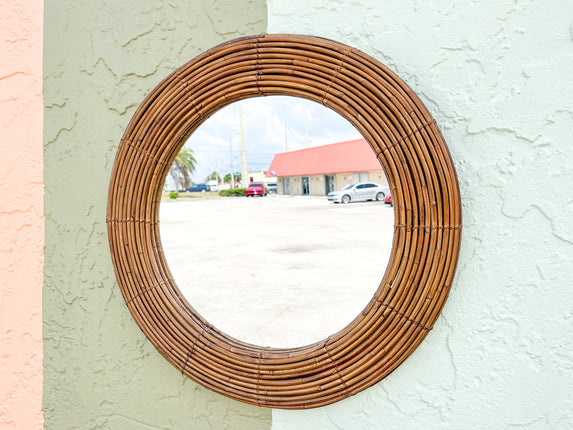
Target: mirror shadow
276	221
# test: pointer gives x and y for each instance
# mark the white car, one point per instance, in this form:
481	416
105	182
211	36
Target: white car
359	192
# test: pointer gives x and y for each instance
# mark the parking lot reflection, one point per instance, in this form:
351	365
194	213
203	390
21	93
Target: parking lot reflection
276	271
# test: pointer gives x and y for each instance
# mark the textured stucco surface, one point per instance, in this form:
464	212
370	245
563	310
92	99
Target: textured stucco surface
497	78
101	58
21	214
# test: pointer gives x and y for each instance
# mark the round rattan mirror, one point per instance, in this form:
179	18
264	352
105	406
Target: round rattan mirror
427	214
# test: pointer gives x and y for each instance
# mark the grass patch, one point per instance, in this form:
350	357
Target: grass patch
187	196
232	192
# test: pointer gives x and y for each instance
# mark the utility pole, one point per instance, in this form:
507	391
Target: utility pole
286	138
232	172
243	151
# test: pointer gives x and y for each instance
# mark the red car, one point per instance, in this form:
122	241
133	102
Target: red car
388	198
256	189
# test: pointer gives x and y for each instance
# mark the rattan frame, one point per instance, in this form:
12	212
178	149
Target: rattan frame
427	210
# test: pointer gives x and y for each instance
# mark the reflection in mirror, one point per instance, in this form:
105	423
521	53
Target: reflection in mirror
297	264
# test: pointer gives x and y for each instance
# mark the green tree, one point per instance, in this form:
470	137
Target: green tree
214	176
182	168
227	178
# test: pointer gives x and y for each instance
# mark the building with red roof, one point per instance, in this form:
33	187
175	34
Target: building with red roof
318	170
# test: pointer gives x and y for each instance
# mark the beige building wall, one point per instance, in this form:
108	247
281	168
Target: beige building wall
318	182
258	176
295	185
378	177
342	179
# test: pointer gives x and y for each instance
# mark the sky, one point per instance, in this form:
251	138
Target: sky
271	125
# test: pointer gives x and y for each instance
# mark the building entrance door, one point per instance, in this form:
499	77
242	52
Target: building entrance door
305	186
286	186
328	184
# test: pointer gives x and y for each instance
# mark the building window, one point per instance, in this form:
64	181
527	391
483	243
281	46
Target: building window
359	177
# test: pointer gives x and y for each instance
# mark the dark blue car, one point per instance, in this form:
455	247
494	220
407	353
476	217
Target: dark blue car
199	187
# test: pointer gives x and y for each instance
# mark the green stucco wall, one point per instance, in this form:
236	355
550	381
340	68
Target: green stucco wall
496	76
100	59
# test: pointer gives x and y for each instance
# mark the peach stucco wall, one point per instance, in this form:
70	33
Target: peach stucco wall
21	214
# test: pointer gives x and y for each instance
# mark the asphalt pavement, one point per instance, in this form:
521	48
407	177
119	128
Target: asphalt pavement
277	271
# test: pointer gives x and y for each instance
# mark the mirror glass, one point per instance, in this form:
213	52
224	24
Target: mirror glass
298	263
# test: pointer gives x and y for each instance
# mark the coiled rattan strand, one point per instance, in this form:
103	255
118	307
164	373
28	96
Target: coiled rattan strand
427	209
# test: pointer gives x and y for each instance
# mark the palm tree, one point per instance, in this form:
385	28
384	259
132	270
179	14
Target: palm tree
182	168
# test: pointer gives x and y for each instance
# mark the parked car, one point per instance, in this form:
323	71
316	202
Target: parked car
199	187
272	188
358	192
388	199
256	189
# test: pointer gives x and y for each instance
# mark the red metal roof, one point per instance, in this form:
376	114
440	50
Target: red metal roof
343	157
